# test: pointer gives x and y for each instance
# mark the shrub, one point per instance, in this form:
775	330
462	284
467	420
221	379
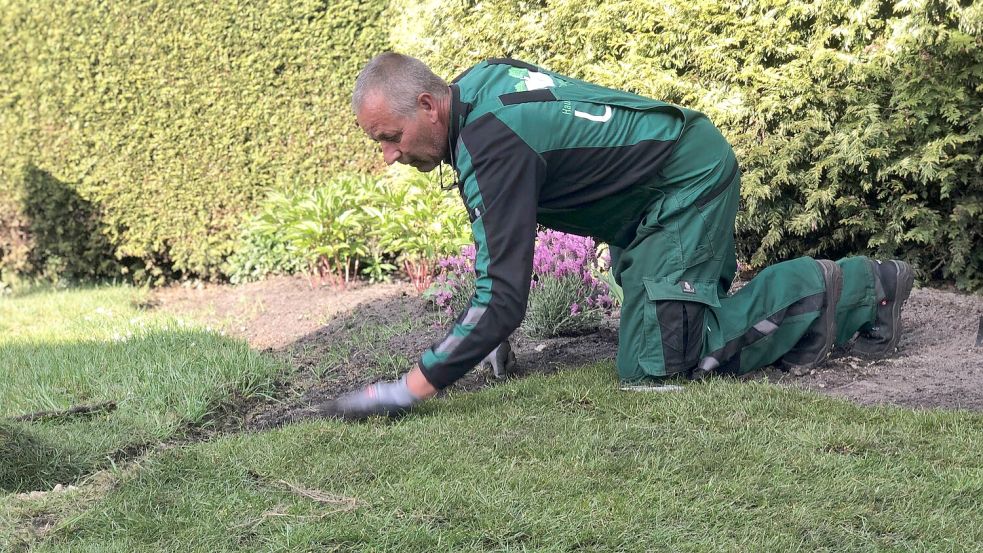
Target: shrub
858	125
453	286
421	222
261	254
565	296
330	227
355	225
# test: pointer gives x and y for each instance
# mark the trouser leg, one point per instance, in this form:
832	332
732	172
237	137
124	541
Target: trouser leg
858	302
676	315
749	348
751	329
766	318
673	274
733	335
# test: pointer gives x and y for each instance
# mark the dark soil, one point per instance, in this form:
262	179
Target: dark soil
361	365
338	340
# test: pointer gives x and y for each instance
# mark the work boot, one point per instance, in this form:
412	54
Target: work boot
893	280
501	360
813	348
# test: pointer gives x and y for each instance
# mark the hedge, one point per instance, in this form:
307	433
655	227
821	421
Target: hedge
159	126
170	120
859	125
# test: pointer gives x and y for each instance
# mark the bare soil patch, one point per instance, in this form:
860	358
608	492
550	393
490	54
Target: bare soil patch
351	351
938	364
272	313
336	340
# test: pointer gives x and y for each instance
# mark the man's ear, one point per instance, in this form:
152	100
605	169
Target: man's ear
428	104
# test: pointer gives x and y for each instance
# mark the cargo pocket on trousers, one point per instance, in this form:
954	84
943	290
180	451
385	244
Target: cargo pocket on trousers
675	321
694	238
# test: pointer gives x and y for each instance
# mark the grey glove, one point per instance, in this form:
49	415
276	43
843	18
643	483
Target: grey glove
390	399
501	360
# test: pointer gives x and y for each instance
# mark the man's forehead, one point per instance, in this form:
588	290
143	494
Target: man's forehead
375	115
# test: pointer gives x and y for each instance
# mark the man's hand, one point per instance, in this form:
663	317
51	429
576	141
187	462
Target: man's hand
390	398
501	360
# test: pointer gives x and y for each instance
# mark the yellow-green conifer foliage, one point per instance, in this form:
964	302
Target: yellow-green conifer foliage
155	127
858	124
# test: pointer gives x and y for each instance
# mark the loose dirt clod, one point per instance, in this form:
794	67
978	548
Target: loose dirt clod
76	411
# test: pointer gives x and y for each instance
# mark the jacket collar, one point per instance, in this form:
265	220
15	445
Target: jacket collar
458	116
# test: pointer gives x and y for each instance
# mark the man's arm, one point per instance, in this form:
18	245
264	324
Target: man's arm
418	384
502	177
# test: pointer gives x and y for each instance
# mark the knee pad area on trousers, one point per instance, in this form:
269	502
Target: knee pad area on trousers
681	324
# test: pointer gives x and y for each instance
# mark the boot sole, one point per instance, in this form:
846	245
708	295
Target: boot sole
906	279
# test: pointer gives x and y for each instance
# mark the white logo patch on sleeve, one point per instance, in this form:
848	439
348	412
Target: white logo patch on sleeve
536	81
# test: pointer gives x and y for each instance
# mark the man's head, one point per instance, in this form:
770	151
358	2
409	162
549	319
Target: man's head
404	107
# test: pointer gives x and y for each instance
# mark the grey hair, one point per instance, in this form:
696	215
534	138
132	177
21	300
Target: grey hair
400	78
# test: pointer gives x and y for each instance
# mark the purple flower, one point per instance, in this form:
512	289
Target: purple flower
556	255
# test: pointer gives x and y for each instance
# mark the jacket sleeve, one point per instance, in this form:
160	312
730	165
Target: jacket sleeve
501	177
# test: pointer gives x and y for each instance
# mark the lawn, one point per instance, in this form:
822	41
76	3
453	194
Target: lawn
565	462
65	348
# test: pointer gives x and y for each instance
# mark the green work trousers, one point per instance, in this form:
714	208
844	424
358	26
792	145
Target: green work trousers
676	314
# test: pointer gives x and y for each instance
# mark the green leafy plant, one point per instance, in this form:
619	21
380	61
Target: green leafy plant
354	225
326	225
424	224
260	254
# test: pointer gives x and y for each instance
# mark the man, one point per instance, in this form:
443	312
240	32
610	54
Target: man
657	182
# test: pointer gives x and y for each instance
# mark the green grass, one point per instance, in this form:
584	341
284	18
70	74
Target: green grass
566	463
559	463
59	349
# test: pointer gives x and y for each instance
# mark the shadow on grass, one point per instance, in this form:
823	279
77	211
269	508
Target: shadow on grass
28	462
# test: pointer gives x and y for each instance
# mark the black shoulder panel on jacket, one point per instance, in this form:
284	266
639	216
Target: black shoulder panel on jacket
539	95
513	63
461	76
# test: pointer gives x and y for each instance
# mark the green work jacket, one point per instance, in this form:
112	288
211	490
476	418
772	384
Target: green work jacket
531	146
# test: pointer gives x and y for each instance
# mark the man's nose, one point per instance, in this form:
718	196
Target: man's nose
390	153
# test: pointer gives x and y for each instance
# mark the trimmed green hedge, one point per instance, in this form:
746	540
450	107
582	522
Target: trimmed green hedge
171	120
859	125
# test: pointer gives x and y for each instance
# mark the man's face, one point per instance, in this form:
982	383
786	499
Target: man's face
418	140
